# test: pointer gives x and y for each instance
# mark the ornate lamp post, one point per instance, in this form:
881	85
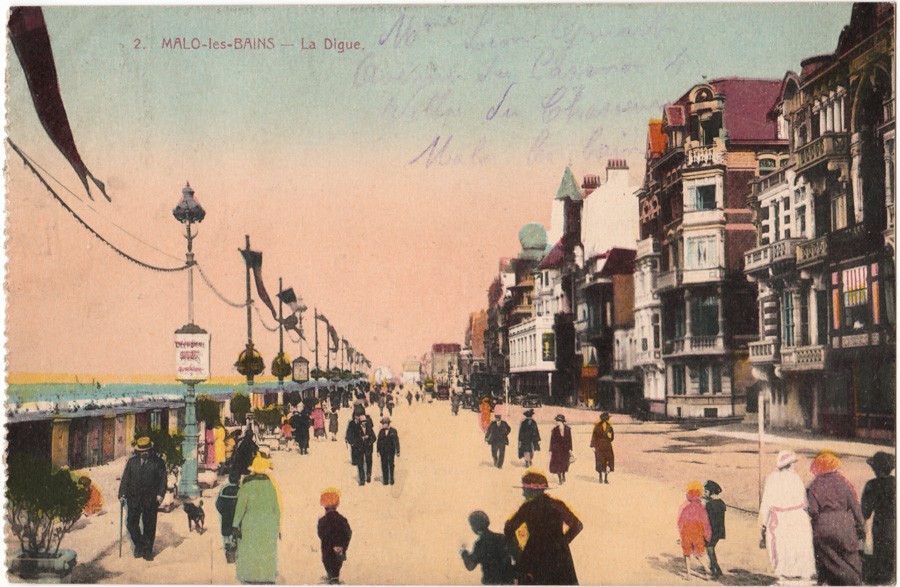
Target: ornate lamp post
191	349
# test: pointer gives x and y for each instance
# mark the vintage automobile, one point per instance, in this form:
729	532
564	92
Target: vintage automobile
532	401
443	392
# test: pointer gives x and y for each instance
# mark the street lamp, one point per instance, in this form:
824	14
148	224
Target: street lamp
191	349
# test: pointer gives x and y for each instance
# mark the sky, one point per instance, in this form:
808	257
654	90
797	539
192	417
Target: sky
382	158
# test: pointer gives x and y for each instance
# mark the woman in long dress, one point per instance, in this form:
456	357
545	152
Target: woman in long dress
486	410
318	418
879	500
601	442
837	523
257	524
560	448
784	520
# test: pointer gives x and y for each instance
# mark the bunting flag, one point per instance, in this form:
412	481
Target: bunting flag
253	259
29	37
295	320
334	338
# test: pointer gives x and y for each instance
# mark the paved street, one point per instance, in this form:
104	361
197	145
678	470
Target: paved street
410	533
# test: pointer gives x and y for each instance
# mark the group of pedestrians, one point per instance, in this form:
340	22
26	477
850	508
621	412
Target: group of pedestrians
561	454
816	530
545	559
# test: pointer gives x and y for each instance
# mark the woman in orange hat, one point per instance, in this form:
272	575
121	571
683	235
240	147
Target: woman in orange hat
837	523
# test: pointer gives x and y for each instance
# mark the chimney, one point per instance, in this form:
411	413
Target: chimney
616	165
591	182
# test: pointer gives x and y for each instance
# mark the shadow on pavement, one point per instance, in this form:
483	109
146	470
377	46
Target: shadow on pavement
675	565
93	571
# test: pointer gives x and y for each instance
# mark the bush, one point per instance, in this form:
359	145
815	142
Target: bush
42	503
168	445
240	406
269	417
208	411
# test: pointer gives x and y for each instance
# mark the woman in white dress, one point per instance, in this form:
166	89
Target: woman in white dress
784	519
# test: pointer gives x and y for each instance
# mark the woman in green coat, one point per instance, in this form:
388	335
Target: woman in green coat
257	524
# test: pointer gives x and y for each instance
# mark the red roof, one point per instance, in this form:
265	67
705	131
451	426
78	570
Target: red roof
619	262
555	257
674	115
747	102
656	138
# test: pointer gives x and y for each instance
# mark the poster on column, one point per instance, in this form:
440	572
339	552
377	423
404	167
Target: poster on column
556	195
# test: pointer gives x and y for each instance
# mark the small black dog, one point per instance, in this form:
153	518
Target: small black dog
196	516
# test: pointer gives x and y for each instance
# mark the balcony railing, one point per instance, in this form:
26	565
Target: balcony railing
811	252
889	110
647	357
808	358
704	217
785	250
669	279
828	146
758	258
707	275
705	156
648	246
762	351
695	345
769	181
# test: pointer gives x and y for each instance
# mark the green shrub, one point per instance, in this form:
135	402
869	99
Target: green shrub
42	503
240	406
167	444
208	411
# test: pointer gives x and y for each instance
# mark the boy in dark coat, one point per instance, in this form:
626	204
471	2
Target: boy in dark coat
335	533
491	551
225	504
715	510
388	446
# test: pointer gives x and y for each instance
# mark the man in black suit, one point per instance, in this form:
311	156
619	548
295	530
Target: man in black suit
142	489
361	438
497	436
388	448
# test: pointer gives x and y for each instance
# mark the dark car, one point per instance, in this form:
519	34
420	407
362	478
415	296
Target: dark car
443	392
532	401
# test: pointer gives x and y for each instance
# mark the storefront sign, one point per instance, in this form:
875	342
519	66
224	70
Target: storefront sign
548	348
191	354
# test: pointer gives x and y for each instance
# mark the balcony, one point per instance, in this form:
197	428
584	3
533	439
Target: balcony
647	357
767	182
703	217
694	346
785	250
706	275
851	242
706	155
757	259
825	148
763	352
668	279
648	246
812	252
807	358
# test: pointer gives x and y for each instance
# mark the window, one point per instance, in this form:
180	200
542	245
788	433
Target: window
716	376
654	320
678	379
856	298
766	166
678	315
776	228
804	319
821	317
839	213
704	197
787	318
700	253
705	316
703	379
801	221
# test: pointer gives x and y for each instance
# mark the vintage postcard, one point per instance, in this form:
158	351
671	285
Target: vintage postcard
618	279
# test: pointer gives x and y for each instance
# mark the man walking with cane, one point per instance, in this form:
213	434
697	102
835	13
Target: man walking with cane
142	489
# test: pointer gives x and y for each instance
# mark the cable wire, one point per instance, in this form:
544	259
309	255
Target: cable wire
95	211
215	291
62	202
261	321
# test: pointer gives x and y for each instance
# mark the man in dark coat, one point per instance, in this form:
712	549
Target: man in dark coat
361	438
142	489
244	453
529	437
388	446
546	558
300	423
497	436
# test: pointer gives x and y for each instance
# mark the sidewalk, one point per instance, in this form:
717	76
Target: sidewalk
805	440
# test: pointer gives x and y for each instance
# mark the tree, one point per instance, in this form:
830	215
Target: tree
208	411
42	503
240	406
168	445
268	417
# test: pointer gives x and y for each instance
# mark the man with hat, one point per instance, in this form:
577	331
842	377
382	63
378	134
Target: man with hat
361	438
142	489
546	558
879	500
529	437
497	436
388	446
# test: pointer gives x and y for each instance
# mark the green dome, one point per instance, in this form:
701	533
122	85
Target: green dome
533	238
